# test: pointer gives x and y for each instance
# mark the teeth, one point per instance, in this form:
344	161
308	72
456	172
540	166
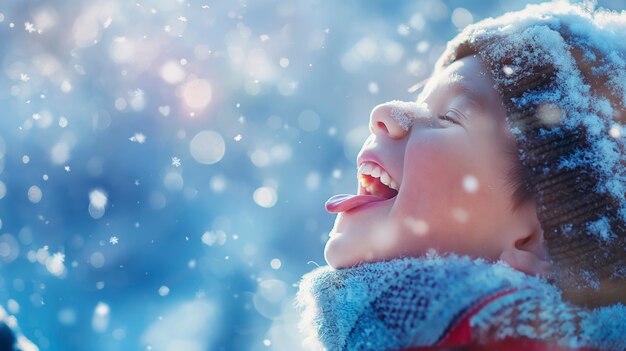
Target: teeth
367	168
361	169
394	185
385	179
376	172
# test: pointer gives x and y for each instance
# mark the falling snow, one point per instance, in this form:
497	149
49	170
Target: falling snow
138	138
103	239
29	27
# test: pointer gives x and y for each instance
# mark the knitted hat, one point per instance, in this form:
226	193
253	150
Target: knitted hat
561	71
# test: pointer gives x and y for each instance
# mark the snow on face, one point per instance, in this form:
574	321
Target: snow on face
405	113
449	164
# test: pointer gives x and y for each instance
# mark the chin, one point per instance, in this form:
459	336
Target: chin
338	253
331	255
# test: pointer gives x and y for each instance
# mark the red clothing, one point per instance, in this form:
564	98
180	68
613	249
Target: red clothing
460	337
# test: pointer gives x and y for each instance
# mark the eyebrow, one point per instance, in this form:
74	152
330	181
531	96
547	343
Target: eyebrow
470	93
458	86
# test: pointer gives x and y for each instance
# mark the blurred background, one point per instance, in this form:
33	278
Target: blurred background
164	163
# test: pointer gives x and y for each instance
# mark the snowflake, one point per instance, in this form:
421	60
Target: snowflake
114	240
237	137
137	182
24	77
182	19
60	257
29	27
138	138
175	161
67	168
137	92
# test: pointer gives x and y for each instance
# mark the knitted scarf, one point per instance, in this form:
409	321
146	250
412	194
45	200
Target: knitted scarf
406	302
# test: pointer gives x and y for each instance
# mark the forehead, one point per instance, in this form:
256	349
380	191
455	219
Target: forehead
467	77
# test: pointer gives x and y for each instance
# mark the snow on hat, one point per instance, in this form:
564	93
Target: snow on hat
561	71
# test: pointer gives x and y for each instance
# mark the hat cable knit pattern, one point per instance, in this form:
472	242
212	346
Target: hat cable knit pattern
561	70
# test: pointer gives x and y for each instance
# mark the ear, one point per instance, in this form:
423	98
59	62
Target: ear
526	251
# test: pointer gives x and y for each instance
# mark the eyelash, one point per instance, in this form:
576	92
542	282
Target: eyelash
449	119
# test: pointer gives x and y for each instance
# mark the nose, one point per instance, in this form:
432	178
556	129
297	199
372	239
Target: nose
391	119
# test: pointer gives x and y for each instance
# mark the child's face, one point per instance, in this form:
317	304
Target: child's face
453	194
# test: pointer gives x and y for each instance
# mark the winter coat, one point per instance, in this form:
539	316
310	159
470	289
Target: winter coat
442	302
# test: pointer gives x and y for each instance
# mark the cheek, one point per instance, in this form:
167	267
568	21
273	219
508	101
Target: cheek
431	178
433	165
448	181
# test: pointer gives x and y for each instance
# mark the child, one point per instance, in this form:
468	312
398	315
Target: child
490	213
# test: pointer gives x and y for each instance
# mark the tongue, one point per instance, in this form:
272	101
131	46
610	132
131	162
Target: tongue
346	202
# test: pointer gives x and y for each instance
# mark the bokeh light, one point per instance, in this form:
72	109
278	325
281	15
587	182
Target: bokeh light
207	147
164	164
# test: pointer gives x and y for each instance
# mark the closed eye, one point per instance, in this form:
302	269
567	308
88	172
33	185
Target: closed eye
451	116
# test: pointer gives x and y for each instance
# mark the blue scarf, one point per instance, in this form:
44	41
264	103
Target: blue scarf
405	302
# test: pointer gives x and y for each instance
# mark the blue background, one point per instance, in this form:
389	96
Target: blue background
201	262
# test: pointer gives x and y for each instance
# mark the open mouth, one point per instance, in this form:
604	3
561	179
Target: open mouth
375	186
374	180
